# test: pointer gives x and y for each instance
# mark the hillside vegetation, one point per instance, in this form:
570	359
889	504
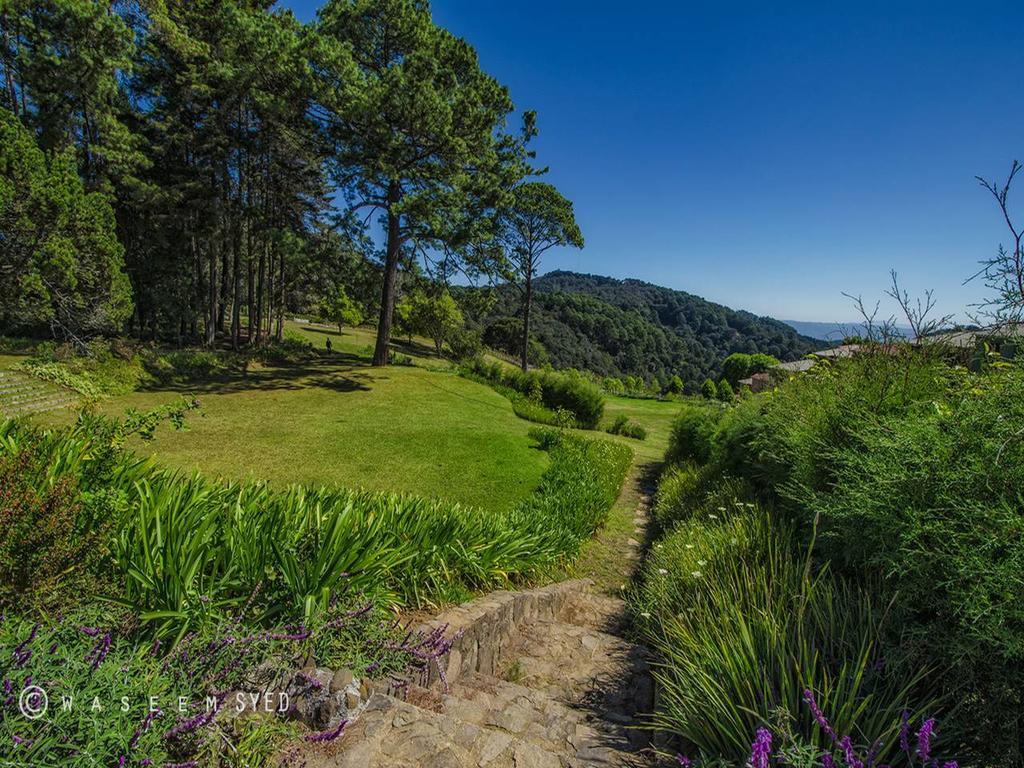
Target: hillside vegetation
880	497
632	328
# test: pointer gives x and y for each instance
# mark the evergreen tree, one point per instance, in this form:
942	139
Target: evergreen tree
416	129
61	264
536	219
725	391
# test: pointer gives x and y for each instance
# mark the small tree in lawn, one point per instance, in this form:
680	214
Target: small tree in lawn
725	391
436	317
338	308
537	219
709	389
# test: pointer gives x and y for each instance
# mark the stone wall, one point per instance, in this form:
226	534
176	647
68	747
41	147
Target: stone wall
488	626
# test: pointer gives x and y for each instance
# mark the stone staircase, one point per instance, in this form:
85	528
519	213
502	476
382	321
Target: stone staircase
537	679
21	394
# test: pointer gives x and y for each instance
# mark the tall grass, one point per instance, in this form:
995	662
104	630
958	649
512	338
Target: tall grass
744	625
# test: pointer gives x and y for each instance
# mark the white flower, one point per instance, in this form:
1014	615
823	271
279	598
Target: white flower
721	509
713	517
689	546
702	563
662	571
659	546
696	574
646	615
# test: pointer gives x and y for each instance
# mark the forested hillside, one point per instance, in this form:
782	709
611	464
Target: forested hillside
629	327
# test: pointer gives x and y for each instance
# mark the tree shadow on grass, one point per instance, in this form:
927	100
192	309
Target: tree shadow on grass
338	371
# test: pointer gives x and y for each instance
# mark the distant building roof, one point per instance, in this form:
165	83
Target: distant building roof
972	337
843	350
797	366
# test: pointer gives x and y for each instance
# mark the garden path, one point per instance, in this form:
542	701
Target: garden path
544	678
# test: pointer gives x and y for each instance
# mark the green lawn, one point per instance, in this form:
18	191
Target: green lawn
655	416
338	420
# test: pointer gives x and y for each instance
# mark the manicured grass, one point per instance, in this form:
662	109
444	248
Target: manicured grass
655	416
337	420
603	557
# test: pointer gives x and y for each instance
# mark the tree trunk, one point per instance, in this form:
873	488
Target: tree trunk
236	286
211	316
527	302
261	276
387	299
280	303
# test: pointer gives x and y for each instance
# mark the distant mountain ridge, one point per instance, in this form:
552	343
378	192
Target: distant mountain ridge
629	327
833	332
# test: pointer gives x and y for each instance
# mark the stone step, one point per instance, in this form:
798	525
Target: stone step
28	395
21	394
536	717
40	406
396	734
586	669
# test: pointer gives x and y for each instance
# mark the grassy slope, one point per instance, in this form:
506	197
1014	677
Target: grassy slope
417	429
338	420
603	558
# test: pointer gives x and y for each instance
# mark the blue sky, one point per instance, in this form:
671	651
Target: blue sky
768	156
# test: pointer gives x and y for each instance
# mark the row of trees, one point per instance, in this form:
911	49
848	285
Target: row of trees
247	157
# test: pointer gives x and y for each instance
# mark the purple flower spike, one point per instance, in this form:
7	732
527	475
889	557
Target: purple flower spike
819	716
849	756
761	749
330	735
905	732
827	761
924	739
684	761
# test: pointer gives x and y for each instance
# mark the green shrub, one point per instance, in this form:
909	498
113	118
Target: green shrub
613	386
466	344
55	538
188	549
623	426
568	391
293	348
725	391
110	368
915	469
709	389
575	494
693	431
190	363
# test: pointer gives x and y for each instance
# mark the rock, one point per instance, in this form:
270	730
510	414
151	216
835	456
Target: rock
341	680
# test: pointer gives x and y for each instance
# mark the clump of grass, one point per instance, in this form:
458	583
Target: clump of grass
623	426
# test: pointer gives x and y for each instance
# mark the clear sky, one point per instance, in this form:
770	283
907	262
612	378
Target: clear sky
764	155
